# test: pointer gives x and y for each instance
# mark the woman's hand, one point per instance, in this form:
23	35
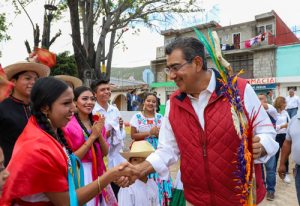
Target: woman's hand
98	127
154	131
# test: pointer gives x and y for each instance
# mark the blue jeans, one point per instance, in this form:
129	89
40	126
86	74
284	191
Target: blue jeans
134	108
270	181
292	112
297	181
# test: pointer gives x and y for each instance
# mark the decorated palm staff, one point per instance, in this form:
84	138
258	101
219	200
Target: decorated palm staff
244	125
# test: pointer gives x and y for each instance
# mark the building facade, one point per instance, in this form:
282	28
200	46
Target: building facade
249	46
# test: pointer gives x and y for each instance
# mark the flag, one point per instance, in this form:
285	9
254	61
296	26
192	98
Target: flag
5	85
45	57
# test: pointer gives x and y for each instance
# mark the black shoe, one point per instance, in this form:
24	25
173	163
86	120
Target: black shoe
270	196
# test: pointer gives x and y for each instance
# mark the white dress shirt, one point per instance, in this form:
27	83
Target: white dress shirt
292	102
272	112
282	119
168	153
139	194
112	114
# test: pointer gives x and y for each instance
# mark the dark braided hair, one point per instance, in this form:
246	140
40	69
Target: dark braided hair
77	92
45	91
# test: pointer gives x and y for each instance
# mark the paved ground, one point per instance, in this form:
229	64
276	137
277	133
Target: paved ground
285	193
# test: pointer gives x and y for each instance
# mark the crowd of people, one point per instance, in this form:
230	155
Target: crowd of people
63	144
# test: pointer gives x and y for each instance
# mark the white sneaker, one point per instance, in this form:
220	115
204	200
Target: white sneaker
287	179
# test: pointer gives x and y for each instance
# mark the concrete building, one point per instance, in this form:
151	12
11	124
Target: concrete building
288	70
118	95
258	60
124	82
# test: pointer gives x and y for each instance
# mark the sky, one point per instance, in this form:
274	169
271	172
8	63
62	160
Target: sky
141	48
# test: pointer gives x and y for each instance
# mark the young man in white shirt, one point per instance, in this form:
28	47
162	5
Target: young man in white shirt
112	114
292	103
270	180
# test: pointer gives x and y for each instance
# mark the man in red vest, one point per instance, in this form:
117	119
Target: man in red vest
198	128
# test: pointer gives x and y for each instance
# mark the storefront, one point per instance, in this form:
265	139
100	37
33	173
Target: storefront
263	85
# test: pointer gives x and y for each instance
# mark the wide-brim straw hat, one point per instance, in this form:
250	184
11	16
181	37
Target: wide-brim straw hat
40	69
139	149
74	80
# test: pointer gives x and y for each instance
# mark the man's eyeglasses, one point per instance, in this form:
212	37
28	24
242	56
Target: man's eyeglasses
175	68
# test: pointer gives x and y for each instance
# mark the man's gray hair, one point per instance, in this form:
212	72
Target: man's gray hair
190	48
262	94
291	90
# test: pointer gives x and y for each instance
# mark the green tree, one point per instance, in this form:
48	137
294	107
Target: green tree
65	65
3	28
116	15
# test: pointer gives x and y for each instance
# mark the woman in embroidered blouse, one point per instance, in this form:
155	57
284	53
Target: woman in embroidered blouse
145	125
282	122
40	165
88	140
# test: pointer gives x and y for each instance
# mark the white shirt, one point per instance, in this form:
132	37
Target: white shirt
112	114
292	102
139	194
282	119
168	153
272	112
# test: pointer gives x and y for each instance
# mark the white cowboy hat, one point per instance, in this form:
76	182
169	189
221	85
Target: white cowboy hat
40	69
73	80
139	149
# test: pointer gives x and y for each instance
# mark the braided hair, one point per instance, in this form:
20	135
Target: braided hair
77	92
45	91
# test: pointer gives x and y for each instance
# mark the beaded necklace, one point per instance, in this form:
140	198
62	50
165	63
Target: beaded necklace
28	115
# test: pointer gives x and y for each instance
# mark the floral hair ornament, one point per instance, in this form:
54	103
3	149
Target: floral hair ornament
45	57
245	176
5	85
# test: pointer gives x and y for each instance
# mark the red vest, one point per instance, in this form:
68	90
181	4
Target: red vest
206	157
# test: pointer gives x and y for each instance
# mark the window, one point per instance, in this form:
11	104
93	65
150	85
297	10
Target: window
269	28
220	40
236	40
226	38
260	30
243	62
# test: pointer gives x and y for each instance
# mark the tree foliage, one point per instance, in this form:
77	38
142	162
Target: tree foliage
20	5
113	17
3	29
65	65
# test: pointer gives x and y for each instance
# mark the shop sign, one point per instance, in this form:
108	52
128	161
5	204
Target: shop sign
268	86
262	81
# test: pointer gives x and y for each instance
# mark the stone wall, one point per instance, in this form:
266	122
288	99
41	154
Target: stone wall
263	64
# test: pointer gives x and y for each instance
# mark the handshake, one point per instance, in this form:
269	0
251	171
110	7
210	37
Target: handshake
126	174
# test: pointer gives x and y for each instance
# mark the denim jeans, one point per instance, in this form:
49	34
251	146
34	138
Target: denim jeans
280	138
270	180
297	181
292	112
134	108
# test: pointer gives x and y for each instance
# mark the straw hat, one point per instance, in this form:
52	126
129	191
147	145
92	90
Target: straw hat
139	149
75	81
40	69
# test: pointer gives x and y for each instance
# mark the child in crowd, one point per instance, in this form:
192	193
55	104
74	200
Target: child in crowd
144	191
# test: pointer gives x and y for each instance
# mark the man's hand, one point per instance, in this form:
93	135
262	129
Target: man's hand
265	105
258	149
33	58
282	171
125	181
121	122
